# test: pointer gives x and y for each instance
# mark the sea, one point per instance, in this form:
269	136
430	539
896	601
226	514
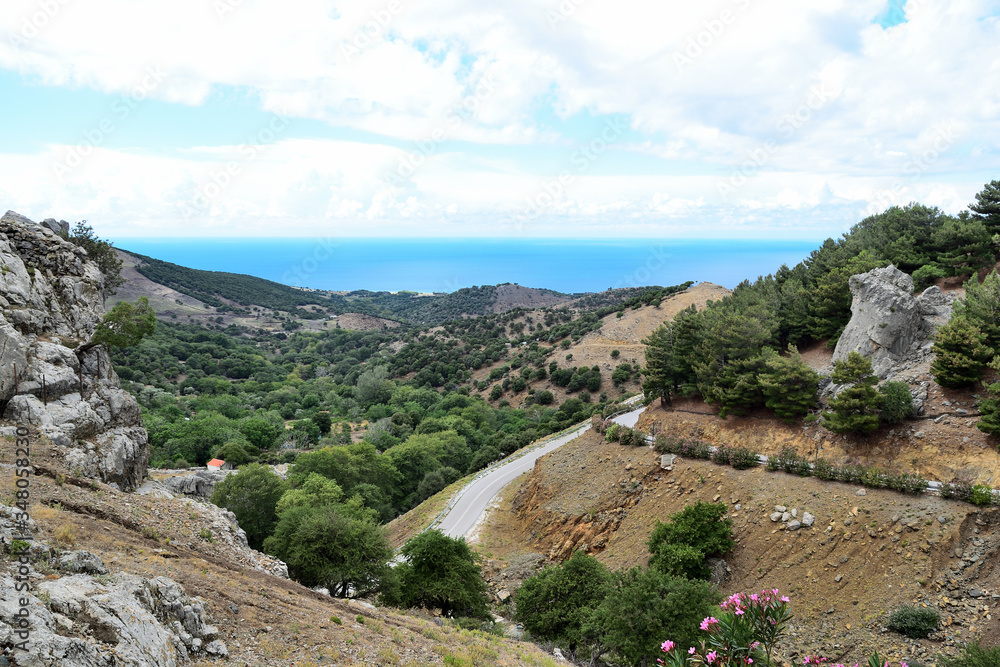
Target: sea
446	265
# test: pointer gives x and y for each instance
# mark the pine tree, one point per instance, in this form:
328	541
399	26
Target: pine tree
963	245
987	206
789	386
989	408
855	409
961	353
981	306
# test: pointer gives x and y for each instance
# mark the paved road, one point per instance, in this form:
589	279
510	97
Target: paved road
472	501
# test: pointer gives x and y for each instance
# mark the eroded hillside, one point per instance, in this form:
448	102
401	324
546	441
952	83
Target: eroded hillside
868	552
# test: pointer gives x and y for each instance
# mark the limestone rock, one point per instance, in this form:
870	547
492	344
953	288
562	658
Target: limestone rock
81	562
130	621
200	483
888	324
50	303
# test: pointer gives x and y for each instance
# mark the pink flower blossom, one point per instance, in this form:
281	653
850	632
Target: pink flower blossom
784	598
691	651
709	622
710	658
667	646
738	612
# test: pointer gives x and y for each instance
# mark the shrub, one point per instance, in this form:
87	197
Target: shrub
823	469
981	495
611	435
700	526
790	461
895	402
914	622
974	655
959	489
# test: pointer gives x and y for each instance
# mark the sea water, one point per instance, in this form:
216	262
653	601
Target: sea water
445	265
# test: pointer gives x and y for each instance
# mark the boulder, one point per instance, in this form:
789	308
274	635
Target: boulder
200	483
889	325
50	303
80	622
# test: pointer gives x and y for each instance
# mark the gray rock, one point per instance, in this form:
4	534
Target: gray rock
794	513
888	324
861	492
808	519
81	562
780	508
199	483
50	295
776	516
60	227
786	516
719	570
794	525
130	621
976	593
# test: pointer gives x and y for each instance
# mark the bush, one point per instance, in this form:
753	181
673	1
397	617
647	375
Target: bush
611	435
914	622
895	402
790	461
974	655
700	526
982	495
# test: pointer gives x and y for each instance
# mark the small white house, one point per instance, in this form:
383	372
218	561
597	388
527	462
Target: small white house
218	464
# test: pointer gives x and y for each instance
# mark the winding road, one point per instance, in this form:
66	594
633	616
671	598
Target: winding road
470	503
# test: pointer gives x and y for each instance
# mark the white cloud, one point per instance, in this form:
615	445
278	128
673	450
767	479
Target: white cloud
810	107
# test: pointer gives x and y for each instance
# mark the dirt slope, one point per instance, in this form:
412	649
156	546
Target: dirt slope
865	556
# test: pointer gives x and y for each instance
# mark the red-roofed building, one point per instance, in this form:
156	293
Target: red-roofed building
218	464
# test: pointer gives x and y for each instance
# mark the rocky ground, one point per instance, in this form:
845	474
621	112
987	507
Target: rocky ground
262	619
868	551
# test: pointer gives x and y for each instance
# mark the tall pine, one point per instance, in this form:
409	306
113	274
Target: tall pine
961	353
855	409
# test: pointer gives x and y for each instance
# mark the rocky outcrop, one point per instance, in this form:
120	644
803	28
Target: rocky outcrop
200	483
50	303
888	324
78	621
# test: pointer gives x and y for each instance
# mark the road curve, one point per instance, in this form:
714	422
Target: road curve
471	502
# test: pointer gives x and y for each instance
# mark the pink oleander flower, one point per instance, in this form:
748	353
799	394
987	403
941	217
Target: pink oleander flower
754	597
784	598
667	646
691	651
754	645
709	622
710	658
738	612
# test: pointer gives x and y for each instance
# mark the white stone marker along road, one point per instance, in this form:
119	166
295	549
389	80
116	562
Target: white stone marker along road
471	502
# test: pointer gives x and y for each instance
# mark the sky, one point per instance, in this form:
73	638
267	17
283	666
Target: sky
495	118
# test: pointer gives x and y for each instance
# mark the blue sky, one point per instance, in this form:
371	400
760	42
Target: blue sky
583	118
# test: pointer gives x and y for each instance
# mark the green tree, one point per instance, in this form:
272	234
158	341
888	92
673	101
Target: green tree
314	492
702	527
961	353
323	421
555	605
339	546
102	253
963	245
790	387
440	572
235	453
987	206
645	606
989	406
262	432
895	402
251	494
855	408
981	306
125	325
